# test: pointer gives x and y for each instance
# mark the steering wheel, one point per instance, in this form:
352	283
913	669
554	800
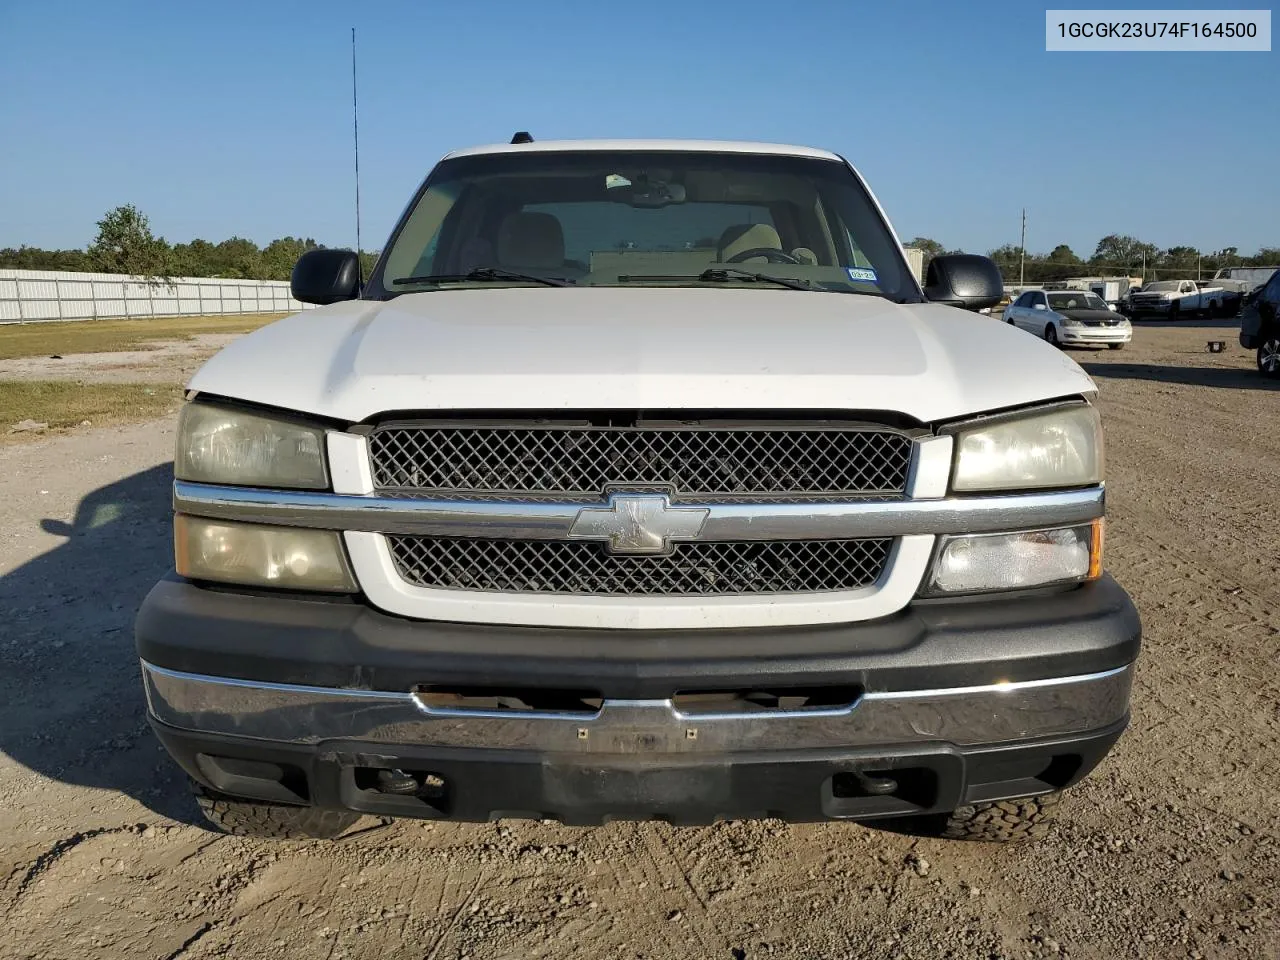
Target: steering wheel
771	254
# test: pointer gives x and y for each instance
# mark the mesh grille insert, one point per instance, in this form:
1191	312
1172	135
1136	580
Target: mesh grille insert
691	569
711	461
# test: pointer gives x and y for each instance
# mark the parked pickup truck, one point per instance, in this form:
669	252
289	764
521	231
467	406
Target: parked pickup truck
1177	298
1240	284
640	479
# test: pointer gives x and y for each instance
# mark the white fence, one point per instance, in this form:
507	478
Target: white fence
41	295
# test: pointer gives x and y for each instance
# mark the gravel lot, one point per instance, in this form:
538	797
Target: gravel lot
160	361
1171	849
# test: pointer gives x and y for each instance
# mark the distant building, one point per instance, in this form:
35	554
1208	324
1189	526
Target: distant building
915	259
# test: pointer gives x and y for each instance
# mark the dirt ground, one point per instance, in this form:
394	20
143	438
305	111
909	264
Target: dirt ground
1171	848
161	361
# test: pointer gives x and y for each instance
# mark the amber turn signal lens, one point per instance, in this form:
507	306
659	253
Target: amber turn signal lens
1095	549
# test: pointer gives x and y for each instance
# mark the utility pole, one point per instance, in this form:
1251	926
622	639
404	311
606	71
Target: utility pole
355	135
1144	267
1022	251
1197	268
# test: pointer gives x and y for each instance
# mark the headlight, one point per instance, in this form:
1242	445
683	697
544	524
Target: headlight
224	445
1058	448
258	555
1015	561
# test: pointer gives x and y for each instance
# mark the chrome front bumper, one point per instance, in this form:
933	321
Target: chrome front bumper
993	714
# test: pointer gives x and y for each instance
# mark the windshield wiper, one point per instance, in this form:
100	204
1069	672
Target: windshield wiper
726	273
484	275
720	275
866	293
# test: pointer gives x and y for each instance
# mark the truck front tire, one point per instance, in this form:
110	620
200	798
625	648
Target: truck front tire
996	821
1003	821
270	821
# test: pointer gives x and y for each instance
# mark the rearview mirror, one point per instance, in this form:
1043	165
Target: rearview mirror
326	276
964	280
643	191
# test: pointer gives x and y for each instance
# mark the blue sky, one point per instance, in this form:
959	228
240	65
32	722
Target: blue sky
235	118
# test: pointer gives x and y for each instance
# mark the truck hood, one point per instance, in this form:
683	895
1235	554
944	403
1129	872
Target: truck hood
639	348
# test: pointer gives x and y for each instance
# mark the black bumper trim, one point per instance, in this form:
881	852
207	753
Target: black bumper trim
793	785
187	628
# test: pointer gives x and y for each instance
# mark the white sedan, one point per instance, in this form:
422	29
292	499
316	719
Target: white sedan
1069	317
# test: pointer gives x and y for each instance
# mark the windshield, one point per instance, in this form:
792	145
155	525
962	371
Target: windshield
1075	300
1161	286
1252	274
668	218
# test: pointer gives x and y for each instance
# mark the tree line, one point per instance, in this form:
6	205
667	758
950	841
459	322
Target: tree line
1114	255
126	244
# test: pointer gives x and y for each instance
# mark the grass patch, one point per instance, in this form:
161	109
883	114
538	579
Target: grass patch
108	336
64	403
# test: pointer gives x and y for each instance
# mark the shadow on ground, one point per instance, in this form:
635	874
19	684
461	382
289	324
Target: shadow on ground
1223	323
1231	378
71	702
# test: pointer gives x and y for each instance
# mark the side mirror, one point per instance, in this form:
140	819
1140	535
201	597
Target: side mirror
326	276
964	280
1039	306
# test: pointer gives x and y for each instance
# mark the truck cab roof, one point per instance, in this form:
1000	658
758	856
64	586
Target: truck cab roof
701	146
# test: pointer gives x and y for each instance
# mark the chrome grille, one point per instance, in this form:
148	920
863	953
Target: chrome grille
692	461
695	568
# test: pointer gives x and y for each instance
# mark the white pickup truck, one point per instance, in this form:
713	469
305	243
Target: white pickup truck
1240	283
640	479
1173	299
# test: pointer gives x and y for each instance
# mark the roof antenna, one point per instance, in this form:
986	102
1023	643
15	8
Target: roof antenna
355	133
524	136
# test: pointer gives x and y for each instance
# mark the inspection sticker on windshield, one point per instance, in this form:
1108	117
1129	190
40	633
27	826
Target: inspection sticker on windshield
862	274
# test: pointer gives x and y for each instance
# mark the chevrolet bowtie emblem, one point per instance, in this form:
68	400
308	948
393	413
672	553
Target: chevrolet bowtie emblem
643	523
